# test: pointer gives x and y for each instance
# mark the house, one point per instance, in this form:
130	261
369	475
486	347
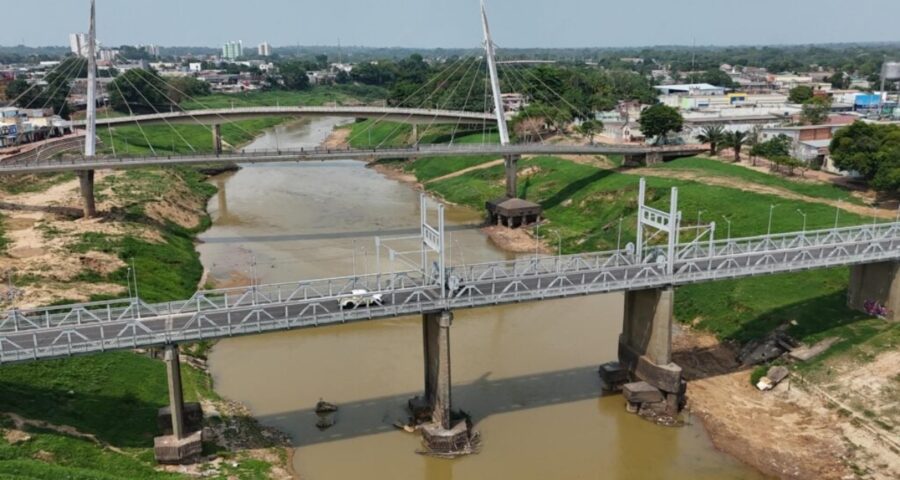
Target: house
691	88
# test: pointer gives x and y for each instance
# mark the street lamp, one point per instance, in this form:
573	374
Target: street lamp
559	243
619	237
728	221
804	219
771	212
837	214
699	212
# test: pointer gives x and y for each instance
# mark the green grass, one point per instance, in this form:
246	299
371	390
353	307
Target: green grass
723	169
316	96
17	184
584	204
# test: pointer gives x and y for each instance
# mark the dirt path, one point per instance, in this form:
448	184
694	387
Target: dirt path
720	181
784	432
482	166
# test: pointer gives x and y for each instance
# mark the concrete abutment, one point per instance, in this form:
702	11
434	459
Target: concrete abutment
511	163
878	285
217	138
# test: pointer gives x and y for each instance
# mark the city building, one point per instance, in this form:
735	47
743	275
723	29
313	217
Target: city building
691	88
513	102
264	49
233	50
153	50
78	44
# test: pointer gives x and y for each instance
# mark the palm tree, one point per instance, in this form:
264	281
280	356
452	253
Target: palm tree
713	135
736	140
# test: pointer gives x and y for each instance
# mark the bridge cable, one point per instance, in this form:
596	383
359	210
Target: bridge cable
35	84
522	86
158	113
379	119
466	102
63	81
574	108
424	102
234	123
449	97
138	124
543	96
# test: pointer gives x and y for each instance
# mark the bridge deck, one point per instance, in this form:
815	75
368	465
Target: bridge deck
41	165
27	335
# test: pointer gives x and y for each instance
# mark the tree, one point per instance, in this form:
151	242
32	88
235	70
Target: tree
293	75
138	91
736	140
800	94
873	151
718	78
713	135
658	120
182	88
779	146
839	80
589	127
753	141
815	110
18	90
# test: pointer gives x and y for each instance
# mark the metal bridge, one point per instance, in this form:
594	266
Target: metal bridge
37	163
61	331
420	116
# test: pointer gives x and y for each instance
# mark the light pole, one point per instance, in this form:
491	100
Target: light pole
728	221
699	213
354	258
837	214
558	248
771	212
537	243
619	236
804	219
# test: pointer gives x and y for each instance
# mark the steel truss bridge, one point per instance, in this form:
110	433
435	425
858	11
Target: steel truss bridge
62	331
36	164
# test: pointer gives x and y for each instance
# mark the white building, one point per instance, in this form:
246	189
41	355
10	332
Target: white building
78	44
691	88
233	50
264	49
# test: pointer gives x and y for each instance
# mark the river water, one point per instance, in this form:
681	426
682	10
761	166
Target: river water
527	373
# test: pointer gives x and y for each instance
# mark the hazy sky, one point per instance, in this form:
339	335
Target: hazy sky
454	23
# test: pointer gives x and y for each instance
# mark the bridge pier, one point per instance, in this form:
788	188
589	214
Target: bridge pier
217	138
876	282
441	432
511	162
184	441
86	183
645	352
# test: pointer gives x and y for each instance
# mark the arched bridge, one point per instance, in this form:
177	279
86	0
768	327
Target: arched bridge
422	116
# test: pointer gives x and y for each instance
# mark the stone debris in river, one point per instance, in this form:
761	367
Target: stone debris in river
325	407
767	349
806	352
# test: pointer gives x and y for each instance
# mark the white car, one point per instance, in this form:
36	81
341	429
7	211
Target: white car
360	298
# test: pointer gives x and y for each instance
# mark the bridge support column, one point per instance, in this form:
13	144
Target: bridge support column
415	133
645	352
441	432
511	163
86	182
217	138
876	283
184	441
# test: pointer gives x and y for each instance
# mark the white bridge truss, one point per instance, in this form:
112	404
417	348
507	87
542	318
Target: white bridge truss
61	331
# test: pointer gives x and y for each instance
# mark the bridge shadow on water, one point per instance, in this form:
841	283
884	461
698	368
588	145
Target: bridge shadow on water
332	235
481	398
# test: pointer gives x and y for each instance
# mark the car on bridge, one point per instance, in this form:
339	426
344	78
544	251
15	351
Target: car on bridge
360	298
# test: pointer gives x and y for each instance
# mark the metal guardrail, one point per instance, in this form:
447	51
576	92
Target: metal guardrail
319	154
27	335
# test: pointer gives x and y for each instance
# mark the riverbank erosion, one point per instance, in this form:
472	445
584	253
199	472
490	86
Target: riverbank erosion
95	416
835	402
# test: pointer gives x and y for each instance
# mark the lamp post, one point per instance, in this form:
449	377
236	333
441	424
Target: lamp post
558	248
837	214
728	221
699	213
771	213
804	219
619	236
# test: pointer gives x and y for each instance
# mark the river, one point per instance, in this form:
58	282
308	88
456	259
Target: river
527	373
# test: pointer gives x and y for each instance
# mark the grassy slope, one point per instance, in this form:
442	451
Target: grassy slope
584	204
114	396
710	167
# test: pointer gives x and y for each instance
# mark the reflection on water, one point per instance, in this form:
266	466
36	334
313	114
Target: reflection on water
527	373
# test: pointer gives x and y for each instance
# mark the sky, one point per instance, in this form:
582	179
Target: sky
454	23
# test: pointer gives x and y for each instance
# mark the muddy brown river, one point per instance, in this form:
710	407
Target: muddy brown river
527	373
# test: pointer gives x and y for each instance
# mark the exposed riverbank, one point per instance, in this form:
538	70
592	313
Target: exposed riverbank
104	406
780	433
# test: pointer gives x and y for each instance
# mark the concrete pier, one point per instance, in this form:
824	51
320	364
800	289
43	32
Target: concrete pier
436	339
511	163
876	282
86	182
185	442
217	138
645	346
